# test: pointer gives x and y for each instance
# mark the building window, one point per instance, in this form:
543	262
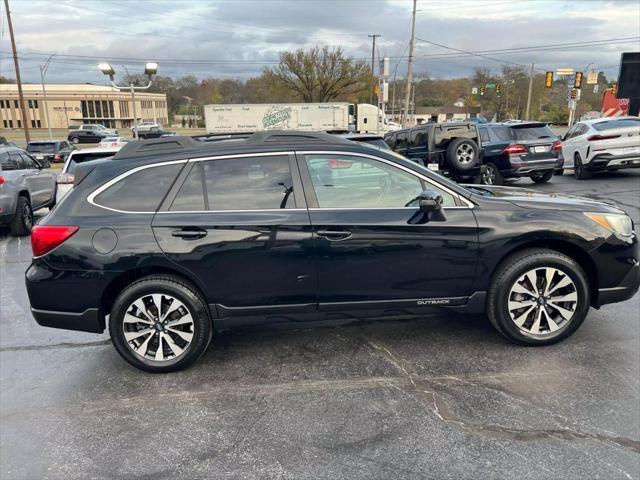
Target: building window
15	102
83	105
4	123
33	124
19	123
124	108
33	103
38	124
2	106
110	105
10	123
98	109
92	112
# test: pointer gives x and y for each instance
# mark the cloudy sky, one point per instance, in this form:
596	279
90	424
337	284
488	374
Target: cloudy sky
237	39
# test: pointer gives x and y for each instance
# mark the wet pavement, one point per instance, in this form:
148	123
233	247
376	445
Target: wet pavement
438	397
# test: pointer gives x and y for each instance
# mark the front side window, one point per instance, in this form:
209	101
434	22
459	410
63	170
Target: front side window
418	138
141	191
345	181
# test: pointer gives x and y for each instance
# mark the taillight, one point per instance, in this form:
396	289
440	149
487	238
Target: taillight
65	178
557	146
595	138
514	149
57	158
45	238
1	180
340	164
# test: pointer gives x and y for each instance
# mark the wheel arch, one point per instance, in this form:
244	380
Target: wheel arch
571	250
119	283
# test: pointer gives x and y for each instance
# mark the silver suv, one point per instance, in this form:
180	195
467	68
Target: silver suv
26	185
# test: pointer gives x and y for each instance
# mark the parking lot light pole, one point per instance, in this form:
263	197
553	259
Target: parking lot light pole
43	72
150	69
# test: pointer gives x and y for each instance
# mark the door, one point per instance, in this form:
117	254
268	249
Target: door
374	247
30	174
240	225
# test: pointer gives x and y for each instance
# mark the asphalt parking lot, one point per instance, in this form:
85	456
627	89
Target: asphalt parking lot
437	397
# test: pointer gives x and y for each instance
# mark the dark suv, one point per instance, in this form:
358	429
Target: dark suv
452	149
176	239
522	149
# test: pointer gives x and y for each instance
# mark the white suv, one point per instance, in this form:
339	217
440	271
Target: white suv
602	144
67	175
146	126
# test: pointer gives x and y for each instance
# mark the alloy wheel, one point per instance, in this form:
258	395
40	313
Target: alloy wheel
542	301
27	216
489	176
465	153
158	327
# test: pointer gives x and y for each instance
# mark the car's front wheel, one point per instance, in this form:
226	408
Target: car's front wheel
579	171
160	324
75	140
538	297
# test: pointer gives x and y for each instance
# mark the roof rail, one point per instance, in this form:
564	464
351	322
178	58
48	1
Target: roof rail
293	136
156	145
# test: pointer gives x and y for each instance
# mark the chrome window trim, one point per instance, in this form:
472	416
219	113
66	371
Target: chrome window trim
469	204
267	210
113	181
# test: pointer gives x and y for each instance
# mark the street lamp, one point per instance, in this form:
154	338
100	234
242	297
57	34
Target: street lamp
150	69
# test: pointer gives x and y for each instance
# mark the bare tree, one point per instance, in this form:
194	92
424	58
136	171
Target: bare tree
320	74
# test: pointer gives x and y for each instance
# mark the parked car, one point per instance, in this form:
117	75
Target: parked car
516	149
114	141
95	126
176	238
146	126
367	139
67	174
54	151
452	149
602	144
26	185
87	136
155	132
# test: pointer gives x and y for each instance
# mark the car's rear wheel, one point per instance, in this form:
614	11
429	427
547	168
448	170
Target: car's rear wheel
22	221
579	171
542	178
538	297
491	175
75	140
160	324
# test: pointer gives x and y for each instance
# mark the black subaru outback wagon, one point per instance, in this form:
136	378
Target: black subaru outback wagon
175	239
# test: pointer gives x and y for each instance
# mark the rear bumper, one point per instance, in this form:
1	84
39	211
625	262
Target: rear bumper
88	321
608	161
532	167
624	291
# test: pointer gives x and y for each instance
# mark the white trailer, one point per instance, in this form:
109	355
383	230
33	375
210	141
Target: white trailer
324	117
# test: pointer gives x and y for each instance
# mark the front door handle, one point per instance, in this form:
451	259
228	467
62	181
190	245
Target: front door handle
190	233
334	235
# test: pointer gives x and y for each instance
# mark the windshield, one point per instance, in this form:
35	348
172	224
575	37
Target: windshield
621	123
532	132
41	148
86	157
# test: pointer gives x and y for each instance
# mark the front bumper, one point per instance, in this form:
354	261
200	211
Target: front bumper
624	291
608	161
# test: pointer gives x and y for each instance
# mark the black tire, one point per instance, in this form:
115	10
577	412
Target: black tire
75	140
22	221
190	298
515	267
492	175
579	171
544	178
462	154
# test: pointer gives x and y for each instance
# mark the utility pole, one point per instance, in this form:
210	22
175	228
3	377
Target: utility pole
43	72
25	120
373	59
526	117
407	94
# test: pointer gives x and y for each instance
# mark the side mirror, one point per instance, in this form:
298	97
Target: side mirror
430	201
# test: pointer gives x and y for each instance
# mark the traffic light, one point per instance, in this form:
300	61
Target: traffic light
498	88
614	88
574	94
577	81
482	91
548	80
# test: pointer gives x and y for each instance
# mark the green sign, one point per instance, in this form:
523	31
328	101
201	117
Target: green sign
490	85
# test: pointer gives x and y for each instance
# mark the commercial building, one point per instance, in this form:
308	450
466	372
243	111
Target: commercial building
75	104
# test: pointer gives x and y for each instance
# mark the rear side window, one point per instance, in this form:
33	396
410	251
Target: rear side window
620	123
402	140
502	133
141	191
8	163
536	132
444	135
191	195
418	138
391	140
252	183
484	135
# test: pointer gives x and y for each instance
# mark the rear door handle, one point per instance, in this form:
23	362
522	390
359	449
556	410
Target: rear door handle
334	235
190	233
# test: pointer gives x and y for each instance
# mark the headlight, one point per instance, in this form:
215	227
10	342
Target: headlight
617	223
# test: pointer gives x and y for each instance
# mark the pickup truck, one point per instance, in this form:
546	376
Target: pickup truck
451	149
